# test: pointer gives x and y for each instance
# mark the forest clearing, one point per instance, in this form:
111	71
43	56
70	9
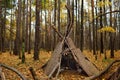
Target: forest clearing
59	39
15	62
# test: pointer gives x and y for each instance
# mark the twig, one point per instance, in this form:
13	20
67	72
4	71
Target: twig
33	73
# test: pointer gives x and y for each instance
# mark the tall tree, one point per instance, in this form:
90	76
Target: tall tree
119	25
11	34
54	34
105	35
37	31
94	36
58	16
0	26
26	34
111	35
101	34
96	14
82	27
17	45
23	31
4	26
46	27
29	47
4	5
77	41
89	33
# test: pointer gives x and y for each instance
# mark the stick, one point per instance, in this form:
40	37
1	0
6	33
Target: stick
59	67
33	73
14	70
2	75
56	66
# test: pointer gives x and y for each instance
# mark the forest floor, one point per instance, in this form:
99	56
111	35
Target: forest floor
15	62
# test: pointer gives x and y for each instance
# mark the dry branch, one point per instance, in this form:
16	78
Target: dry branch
115	75
2	76
102	72
104	14
33	73
14	70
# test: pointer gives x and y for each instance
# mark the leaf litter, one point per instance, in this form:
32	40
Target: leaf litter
14	61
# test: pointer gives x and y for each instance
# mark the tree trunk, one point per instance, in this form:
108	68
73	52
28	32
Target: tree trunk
0	27
26	34
101	34
46	27
37	31
18	25
111	35
23	33
77	22
105	34
94	36
54	35
11	35
119	27
82	28
58	16
4	27
29	47
96	30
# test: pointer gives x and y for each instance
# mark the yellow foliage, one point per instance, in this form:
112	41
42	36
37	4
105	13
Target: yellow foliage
102	3
108	3
107	29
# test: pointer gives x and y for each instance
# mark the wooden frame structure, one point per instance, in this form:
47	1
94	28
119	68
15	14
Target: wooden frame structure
66	46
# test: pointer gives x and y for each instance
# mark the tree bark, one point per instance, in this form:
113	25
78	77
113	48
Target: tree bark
111	35
101	34
82	27
54	35
58	16
26	29
18	25
37	31
0	26
94	30
23	32
29	47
